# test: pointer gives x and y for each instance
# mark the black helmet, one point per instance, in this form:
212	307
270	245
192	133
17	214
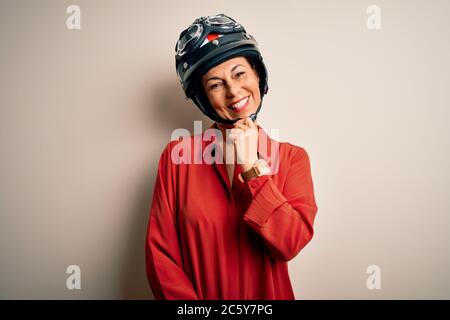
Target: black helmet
206	43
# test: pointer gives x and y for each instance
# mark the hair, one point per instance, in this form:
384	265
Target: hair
251	61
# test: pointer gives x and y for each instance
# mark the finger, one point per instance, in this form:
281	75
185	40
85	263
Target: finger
240	121
237	131
250	123
241	126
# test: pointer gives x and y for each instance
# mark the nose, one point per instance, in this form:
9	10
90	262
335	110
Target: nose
232	89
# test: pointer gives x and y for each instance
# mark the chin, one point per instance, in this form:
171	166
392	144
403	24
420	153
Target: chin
242	115
247	114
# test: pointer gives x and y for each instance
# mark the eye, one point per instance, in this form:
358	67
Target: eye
214	86
240	73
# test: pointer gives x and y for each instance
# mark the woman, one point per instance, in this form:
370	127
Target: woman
226	230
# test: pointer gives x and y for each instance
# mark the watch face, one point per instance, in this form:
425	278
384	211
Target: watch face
262	166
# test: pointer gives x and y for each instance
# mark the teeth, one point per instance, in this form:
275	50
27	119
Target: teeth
240	104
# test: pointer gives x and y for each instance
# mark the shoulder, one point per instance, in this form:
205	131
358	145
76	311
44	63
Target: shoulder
182	150
292	151
166	154
170	146
294	163
294	157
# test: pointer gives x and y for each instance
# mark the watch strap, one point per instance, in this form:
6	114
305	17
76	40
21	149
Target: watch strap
250	174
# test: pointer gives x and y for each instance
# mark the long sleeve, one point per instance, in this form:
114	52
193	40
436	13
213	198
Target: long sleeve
163	255
284	219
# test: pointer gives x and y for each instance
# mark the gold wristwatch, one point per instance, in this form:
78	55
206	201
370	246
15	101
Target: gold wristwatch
259	168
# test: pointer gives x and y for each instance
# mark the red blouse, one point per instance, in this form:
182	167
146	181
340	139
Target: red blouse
208	240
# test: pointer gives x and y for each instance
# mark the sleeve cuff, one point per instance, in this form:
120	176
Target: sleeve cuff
254	185
266	198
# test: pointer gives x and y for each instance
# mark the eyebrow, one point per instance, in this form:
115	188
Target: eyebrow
217	78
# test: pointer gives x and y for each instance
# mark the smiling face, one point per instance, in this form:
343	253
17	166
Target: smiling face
232	88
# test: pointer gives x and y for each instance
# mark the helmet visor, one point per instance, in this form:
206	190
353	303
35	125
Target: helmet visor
192	34
221	20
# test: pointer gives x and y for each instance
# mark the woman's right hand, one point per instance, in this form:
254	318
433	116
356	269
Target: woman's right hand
244	136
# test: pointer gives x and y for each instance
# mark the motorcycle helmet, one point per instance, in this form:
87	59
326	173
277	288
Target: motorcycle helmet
206	43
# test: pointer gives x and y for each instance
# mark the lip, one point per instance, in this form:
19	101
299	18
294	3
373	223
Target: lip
243	108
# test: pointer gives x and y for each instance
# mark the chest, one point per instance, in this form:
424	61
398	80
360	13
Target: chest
230	172
204	199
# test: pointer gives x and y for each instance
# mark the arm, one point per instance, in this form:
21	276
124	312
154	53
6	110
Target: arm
163	256
284	220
